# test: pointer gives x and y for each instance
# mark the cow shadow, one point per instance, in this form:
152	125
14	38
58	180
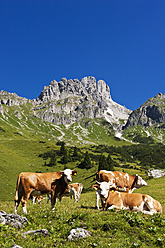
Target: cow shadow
87	207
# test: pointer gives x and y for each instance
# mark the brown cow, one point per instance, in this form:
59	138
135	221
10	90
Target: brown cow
74	190
35	184
119	181
134	202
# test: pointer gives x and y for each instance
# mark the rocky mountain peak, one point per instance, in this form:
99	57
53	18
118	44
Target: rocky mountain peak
70	100
11	99
73	87
149	113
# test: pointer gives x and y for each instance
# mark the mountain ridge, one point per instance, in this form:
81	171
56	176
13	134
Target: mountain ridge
86	103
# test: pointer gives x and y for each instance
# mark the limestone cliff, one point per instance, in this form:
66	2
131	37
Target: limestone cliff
68	101
151	112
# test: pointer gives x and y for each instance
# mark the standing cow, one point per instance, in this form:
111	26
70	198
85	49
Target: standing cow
118	181
74	190
35	184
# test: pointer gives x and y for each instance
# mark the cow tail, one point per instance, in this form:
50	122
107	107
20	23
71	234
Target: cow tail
17	187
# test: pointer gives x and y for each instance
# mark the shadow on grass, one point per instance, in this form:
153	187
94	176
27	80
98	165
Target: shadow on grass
87	207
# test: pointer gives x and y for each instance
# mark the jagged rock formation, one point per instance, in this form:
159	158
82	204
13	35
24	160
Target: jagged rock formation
69	101
150	113
11	99
85	104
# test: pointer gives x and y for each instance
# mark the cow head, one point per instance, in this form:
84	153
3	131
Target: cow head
139	182
102	188
68	175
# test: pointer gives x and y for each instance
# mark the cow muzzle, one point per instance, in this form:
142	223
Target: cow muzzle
68	180
103	196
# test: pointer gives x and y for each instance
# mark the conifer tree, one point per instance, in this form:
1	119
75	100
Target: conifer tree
86	163
110	166
53	159
102	163
62	149
105	163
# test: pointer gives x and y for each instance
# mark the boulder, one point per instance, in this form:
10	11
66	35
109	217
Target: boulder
155	173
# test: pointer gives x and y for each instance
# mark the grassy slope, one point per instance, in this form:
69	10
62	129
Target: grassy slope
21	141
110	228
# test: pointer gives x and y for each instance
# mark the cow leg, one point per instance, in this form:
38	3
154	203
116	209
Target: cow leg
34	199
76	198
48	198
17	202
111	207
24	200
53	201
102	203
97	200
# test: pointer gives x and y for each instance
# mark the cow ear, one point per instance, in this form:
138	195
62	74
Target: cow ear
61	173
95	186
74	172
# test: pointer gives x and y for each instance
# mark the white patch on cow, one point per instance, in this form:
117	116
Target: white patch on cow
104	189
97	199
105	171
140	182
120	174
112	183
25	210
75	194
126	176
67	175
34	199
111	207
148	201
15	211
124	189
119	194
138	208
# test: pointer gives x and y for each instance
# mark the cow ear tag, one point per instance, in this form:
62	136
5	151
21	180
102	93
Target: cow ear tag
75	174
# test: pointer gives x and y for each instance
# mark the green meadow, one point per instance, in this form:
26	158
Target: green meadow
23	146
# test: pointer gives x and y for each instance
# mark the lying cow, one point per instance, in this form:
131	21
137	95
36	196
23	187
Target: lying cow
119	181
35	184
134	202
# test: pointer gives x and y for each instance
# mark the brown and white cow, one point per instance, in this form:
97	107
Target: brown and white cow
74	190
36	198
128	201
119	181
35	184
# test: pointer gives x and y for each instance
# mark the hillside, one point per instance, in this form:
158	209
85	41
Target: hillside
32	135
147	123
29	128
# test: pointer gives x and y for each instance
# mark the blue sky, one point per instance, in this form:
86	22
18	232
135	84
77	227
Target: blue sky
119	41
